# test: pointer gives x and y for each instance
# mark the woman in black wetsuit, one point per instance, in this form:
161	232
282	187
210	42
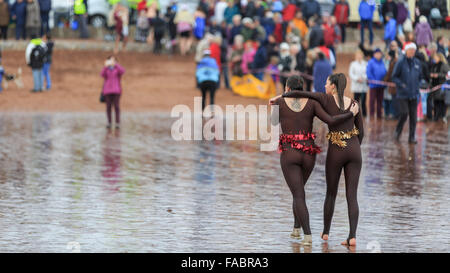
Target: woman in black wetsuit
298	151
344	151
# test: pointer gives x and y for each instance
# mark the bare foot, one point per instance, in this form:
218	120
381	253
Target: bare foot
324	236
351	242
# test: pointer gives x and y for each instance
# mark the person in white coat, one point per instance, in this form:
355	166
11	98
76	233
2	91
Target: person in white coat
219	11
359	87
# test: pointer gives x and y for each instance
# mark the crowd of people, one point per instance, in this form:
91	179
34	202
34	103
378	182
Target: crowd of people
285	37
279	38
31	17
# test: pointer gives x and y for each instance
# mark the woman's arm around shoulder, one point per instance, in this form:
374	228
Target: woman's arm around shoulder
325	117
322	98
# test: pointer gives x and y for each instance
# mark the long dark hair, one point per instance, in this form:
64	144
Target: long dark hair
340	81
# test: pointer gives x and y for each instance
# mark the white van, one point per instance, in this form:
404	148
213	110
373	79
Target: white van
97	11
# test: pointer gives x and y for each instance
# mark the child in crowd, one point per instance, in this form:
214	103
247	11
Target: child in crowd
273	69
142	27
48	59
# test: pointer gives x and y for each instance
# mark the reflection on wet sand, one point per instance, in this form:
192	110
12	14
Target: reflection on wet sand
65	178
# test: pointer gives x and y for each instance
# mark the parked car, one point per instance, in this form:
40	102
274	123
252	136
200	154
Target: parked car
97	11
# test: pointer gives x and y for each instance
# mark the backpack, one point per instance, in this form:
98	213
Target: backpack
37	57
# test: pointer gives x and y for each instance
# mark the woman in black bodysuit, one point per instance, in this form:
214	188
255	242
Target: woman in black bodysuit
298	151
344	152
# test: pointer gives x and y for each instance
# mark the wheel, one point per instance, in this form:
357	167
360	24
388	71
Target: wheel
98	21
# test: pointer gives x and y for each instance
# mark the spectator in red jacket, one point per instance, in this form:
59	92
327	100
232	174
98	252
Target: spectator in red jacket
278	32
289	12
341	11
329	33
214	48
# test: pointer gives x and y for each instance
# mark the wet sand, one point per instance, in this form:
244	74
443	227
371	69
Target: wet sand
64	178
151	83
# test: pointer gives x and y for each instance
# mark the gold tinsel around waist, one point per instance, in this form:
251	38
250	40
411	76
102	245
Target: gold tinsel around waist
339	137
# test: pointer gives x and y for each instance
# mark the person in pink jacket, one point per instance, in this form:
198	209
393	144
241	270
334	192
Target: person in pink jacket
112	89
247	57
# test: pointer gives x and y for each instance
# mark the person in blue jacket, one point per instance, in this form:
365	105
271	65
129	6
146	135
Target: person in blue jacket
321	70
311	8
19	13
390	29
207	75
366	13
406	76
376	70
45	6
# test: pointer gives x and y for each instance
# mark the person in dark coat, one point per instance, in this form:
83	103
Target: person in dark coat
260	61
322	69
4	19
389	6
315	34
311	8
301	57
407	75
18	13
45	6
159	26
170	17
235	28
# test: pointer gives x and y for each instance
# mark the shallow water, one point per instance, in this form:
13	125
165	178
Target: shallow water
67	184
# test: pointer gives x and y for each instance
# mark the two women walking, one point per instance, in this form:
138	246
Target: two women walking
344	153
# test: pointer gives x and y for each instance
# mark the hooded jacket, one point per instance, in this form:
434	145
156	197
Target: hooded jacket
390	30
423	34
366	10
207	70
376	70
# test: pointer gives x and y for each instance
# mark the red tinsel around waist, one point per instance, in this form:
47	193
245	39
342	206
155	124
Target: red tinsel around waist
294	139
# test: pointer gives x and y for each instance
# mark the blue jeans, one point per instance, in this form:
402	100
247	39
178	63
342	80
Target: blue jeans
46	74
44	22
367	23
424	98
388	108
225	75
20	32
38	79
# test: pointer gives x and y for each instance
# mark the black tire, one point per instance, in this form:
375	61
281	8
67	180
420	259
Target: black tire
98	21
